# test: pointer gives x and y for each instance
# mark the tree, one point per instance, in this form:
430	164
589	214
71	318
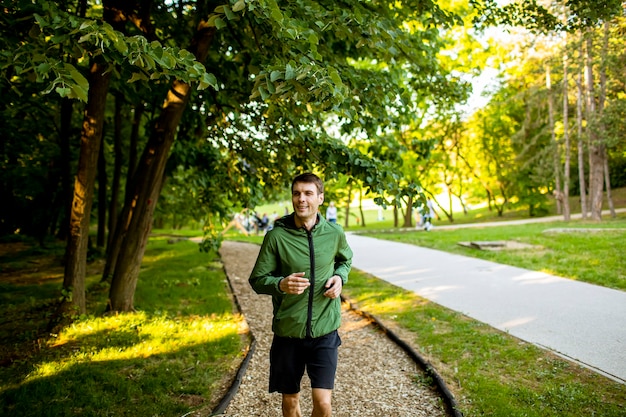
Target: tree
283	71
100	46
580	99
582	15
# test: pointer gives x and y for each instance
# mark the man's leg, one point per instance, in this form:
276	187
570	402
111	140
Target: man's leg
322	406
291	405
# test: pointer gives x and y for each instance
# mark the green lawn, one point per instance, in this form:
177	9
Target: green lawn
175	354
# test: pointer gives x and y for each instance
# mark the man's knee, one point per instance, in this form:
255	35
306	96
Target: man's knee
291	405
322	406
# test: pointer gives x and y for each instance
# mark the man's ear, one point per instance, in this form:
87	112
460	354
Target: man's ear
321	198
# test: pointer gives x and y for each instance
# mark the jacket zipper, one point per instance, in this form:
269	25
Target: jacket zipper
312	287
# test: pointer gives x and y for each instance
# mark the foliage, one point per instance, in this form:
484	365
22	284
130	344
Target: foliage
54	30
536	17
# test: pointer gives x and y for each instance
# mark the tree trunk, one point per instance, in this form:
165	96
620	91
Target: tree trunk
67	108
556	164
346	221
580	99
114	233
596	148
135	223
395	215
102	197
596	179
134	139
602	127
607	183
566	141
91	135
361	206
117	167
408	214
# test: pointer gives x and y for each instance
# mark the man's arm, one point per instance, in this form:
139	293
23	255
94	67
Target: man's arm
263	279
343	260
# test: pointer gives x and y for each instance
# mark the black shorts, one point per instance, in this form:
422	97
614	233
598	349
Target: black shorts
289	357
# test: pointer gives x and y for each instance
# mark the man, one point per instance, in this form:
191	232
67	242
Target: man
331	213
303	264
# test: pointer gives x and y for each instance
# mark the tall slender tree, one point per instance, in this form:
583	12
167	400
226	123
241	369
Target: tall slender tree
566	136
580	102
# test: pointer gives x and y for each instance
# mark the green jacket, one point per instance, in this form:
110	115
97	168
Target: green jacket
320	253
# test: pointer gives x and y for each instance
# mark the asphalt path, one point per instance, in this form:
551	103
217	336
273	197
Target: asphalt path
579	321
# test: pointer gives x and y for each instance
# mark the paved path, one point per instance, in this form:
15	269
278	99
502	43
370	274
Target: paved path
580	321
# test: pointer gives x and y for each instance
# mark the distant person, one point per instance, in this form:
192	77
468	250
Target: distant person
331	212
262	222
429	214
303	264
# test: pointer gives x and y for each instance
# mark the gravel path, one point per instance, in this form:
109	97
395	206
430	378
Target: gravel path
374	378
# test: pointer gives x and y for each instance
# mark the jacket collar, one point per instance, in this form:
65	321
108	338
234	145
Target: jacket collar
289	222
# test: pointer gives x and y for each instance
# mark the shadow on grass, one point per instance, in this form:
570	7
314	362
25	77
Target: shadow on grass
162	384
169	358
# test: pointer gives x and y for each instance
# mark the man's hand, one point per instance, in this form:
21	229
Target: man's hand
334	286
294	283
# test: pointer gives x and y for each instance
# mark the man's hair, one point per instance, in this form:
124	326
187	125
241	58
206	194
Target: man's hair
311	179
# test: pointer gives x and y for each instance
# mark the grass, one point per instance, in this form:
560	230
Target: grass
593	257
490	372
175	354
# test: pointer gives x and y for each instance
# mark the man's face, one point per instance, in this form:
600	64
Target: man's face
306	200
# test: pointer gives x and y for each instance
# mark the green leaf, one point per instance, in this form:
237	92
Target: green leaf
84	38
77	77
264	93
63	91
334	76
270	87
208	80
240	5
43	68
149	62
229	13
138	76
290	72
275	75
168	61
157	49
277	15
40	20
199	68
220	23
211	21
121	46
59	38
78	92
